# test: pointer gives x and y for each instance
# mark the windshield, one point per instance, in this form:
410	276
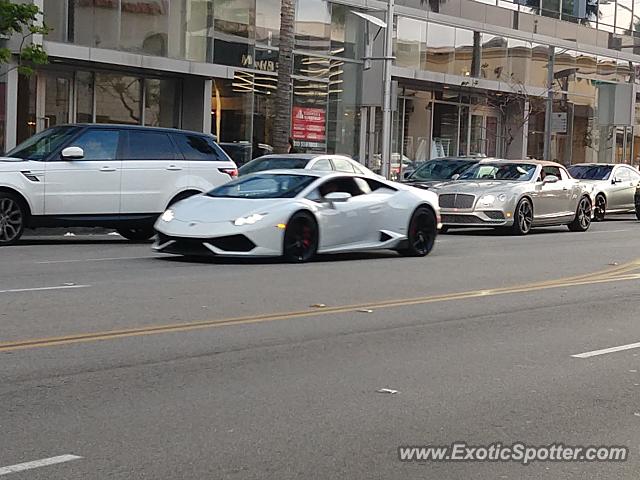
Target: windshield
500	171
440	169
264	186
273	163
42	144
591	172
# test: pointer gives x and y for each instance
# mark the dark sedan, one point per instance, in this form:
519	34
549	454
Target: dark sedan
440	170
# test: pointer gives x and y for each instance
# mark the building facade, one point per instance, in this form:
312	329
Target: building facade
549	79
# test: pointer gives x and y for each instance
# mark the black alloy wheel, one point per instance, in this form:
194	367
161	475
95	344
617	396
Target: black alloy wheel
523	217
582	220
300	238
600	208
422	233
12	219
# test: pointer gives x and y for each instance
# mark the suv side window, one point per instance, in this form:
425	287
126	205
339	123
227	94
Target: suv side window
98	144
150	146
549	170
343	165
323	164
199	147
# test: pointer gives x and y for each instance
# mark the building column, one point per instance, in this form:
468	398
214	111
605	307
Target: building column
196	104
11	108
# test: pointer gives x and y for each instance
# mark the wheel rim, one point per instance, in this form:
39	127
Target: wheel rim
300	240
584	213
421	234
525	216
10	220
600	207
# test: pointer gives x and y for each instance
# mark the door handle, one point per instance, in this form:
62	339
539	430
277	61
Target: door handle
107	168
174	167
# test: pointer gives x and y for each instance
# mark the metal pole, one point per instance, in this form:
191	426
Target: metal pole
386	99
549	107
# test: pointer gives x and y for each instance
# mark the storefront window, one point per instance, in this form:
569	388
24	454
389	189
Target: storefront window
55	17
494	58
309	115
310	66
410	44
551	8
445	130
96	26
233	31
268	22
467	53
117	99
26	121
162	102
84	97
347	31
145	30
264	111
231	115
440	48
313	25
198	35
624	16
344	120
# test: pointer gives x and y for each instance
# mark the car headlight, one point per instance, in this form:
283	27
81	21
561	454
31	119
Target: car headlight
488	200
168	215
250	220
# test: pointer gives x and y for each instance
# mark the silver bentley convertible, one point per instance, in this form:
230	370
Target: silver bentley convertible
518	194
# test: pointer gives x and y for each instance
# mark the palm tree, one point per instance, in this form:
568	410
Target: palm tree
282	122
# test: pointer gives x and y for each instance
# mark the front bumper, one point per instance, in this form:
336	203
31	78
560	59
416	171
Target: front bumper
475	218
222	239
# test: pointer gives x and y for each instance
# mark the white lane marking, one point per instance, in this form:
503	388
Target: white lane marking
45	462
40	289
604	351
48	262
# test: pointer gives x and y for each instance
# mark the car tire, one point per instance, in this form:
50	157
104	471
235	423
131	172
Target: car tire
523	217
300	242
600	208
139	234
638	210
582	220
422	233
13	217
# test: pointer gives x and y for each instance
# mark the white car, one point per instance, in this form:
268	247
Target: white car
114	176
298	213
308	161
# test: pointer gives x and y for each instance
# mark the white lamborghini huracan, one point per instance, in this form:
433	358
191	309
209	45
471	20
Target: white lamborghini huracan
298	213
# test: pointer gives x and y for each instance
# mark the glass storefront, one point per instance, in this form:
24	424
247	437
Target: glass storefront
3	110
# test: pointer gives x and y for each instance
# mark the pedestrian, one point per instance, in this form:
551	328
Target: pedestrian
292	147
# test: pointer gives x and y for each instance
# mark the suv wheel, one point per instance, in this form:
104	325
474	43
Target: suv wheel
140	234
12	219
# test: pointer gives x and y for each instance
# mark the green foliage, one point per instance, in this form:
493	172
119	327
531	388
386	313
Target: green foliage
22	20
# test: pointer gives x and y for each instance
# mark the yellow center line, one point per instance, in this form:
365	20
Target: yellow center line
620	273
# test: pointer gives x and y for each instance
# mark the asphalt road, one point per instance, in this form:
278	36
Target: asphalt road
156	368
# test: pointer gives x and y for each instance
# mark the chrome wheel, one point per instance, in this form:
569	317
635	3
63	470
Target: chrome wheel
523	218
582	220
11	220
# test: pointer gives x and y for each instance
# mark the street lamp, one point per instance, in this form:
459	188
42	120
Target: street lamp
388	64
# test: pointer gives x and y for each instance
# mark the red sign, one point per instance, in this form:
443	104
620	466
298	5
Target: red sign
309	124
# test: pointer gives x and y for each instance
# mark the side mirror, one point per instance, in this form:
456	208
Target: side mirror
616	180
455	176
72	153
406	175
550	179
336	197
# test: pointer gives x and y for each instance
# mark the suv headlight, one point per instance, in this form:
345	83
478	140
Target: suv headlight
250	220
168	215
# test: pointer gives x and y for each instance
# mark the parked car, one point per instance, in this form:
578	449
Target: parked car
440	170
114	176
298	213
243	152
615	186
308	161
519	194
637	202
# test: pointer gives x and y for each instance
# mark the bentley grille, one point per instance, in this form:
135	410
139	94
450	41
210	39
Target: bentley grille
456	200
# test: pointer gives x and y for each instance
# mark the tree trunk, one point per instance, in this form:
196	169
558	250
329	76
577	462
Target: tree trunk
282	123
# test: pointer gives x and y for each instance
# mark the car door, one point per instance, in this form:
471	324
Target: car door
90	185
152	171
551	199
619	183
625	186
341	223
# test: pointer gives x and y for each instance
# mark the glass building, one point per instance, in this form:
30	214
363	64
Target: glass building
524	78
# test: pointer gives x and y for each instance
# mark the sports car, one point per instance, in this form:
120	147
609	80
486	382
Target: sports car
298	213
518	194
615	186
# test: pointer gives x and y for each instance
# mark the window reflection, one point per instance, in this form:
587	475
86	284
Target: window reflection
117	99
233	32
467	53
519	61
268	22
162	100
494	58
313	25
440	48
410	43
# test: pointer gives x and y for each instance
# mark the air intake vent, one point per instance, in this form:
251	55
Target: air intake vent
384	237
30	176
